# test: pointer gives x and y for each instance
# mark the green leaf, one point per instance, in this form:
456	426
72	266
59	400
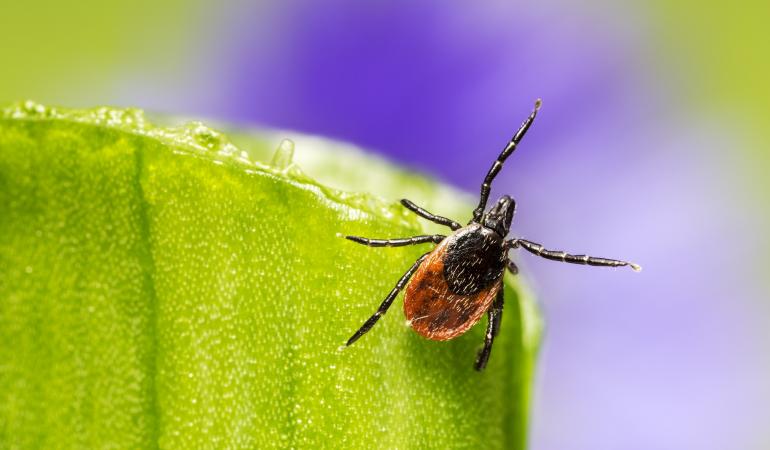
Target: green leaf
159	288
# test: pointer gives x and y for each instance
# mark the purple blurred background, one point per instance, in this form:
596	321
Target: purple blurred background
627	159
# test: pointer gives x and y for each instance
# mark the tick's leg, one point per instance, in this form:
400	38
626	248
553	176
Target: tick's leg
494	315
512	267
432	217
387	302
435	238
486	186
538	250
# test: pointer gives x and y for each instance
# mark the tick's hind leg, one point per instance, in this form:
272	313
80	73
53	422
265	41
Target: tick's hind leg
387	302
556	255
422	212
495	316
435	238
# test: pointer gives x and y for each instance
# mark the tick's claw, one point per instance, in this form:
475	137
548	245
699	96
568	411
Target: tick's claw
481	360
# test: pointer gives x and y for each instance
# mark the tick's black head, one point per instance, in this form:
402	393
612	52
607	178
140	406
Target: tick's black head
500	216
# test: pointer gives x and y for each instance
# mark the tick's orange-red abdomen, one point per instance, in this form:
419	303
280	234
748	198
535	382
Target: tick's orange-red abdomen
433	310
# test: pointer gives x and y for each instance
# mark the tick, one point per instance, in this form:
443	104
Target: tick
449	288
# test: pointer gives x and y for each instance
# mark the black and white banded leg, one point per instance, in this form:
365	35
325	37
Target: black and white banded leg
435	238
387	302
486	186
495	316
422	212
556	255
512	267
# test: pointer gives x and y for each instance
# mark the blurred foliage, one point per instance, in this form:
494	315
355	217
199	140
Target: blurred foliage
158	287
67	51
723	50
